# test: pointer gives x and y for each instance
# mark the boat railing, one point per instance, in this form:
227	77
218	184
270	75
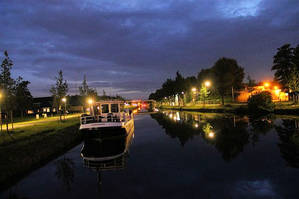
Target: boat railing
87	119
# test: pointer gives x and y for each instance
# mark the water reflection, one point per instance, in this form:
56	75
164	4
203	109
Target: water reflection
65	171
106	153
229	134
288	133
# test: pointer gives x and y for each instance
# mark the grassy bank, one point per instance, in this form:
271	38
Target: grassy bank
30	147
280	108
211	108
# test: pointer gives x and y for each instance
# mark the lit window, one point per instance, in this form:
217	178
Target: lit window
114	108
105	108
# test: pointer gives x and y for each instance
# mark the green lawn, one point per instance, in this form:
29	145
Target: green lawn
34	129
28	147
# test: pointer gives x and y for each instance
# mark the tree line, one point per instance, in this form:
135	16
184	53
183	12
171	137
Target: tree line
286	67
16	98
227	76
14	93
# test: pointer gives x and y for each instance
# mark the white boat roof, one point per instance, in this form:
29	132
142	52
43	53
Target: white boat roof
110	102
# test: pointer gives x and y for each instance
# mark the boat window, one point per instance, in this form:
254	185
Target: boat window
114	108
105	108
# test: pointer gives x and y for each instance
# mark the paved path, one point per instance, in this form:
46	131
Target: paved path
38	121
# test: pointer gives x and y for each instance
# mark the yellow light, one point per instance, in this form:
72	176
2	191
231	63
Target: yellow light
275	87
193	89
196	125
211	134
63	99
286	94
266	84
207	83
90	101
277	91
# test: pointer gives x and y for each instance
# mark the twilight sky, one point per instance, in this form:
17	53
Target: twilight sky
129	47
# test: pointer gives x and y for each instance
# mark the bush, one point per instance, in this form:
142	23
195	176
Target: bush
261	103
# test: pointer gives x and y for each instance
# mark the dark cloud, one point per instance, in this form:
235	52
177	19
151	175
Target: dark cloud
130	47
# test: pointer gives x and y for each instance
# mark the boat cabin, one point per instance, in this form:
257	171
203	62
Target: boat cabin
106	111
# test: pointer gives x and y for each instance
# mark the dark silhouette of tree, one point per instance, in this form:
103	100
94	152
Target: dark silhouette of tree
58	91
228	75
7	87
282	64
251	82
86	92
23	96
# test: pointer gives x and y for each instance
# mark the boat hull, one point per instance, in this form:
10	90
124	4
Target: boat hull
108	130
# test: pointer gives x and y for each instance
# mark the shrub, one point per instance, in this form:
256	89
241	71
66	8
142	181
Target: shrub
261	103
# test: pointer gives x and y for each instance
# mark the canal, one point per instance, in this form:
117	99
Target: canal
178	155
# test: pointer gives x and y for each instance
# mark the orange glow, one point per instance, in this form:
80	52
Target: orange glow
266	84
276	93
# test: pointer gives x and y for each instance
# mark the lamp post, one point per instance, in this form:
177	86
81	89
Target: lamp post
64	101
194	91
207	84
90	102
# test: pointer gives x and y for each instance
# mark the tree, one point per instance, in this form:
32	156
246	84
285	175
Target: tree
7	86
260	103
85	91
227	75
283	65
293	81
251	82
23	96
58	91
203	93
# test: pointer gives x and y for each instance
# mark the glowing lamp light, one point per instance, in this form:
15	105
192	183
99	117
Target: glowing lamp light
90	101
286	94
275	87
211	135
193	89
266	84
207	83
63	99
196	125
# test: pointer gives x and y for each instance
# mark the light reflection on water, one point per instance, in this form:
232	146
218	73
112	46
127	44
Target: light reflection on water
179	155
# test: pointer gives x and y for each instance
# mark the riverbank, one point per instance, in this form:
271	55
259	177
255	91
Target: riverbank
29	147
237	108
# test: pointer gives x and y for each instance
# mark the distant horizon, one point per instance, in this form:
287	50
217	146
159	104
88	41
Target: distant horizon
131	47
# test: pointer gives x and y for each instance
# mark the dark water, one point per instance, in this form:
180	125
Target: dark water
178	155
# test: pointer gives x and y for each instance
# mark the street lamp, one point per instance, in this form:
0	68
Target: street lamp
64	101
207	83
266	84
90	101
